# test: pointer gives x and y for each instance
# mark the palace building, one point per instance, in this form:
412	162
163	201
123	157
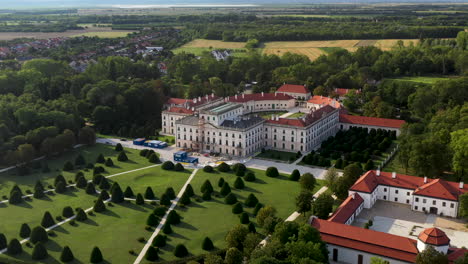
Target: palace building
234	125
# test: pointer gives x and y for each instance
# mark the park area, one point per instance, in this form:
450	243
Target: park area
214	218
283	156
129	218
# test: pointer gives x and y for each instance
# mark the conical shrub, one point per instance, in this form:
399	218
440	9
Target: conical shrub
67	255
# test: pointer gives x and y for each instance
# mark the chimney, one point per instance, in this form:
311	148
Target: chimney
277	118
262	94
194	100
235	96
206	97
378	173
243	96
193	109
425	179
394	175
199	98
354	196
461	185
212	95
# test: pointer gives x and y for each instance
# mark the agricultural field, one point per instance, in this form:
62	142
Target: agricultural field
214	218
102	32
311	49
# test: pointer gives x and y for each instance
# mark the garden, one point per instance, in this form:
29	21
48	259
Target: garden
222	200
356	145
284	156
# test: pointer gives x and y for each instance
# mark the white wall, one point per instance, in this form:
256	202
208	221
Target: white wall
444	207
347	255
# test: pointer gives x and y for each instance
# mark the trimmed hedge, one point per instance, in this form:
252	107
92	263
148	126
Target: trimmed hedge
272	172
167	165
207	244
237	208
223	167
251	200
225	190
206	187
179	167
250	177
208	169
66	255
180	251
239	183
230	199
96	256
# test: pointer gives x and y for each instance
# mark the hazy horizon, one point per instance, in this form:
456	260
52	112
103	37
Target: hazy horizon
56	4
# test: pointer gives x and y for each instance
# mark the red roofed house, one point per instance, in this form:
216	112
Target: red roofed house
351	244
318	101
348	210
342	92
299	92
347	121
435	196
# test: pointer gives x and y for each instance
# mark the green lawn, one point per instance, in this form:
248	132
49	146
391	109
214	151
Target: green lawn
115	232
31	212
8	179
267	115
155	177
278	155
296	115
214	218
423	79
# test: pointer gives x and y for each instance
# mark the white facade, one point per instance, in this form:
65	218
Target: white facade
436	206
354	215
168	121
347	255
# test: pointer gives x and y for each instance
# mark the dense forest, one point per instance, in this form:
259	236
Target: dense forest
44	99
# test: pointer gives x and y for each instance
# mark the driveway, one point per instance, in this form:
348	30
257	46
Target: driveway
167	154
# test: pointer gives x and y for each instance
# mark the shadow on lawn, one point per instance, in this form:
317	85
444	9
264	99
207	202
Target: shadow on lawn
133	206
60	229
249	189
186	226
108	212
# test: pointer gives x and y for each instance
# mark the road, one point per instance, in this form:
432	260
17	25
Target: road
167	154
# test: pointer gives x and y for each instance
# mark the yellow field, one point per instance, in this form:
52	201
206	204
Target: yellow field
312	44
387	44
215	44
312	53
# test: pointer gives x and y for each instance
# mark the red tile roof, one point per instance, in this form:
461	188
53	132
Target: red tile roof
323	100
347	209
259	97
434	236
180	110
441	189
437	188
307	120
367	240
456	253
177	101
293	88
371	121
343	91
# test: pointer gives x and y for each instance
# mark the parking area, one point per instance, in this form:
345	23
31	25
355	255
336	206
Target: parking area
398	219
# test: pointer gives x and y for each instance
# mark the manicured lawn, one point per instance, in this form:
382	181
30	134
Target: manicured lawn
215	218
31	212
115	231
155	177
267	115
296	115
9	178
278	155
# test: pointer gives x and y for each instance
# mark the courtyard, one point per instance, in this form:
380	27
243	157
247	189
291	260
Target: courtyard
399	219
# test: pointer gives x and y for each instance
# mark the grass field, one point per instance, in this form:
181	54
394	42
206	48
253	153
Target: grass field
267	115
422	79
296	115
9	178
214	218
103	32
278	155
31	212
115	231
198	46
